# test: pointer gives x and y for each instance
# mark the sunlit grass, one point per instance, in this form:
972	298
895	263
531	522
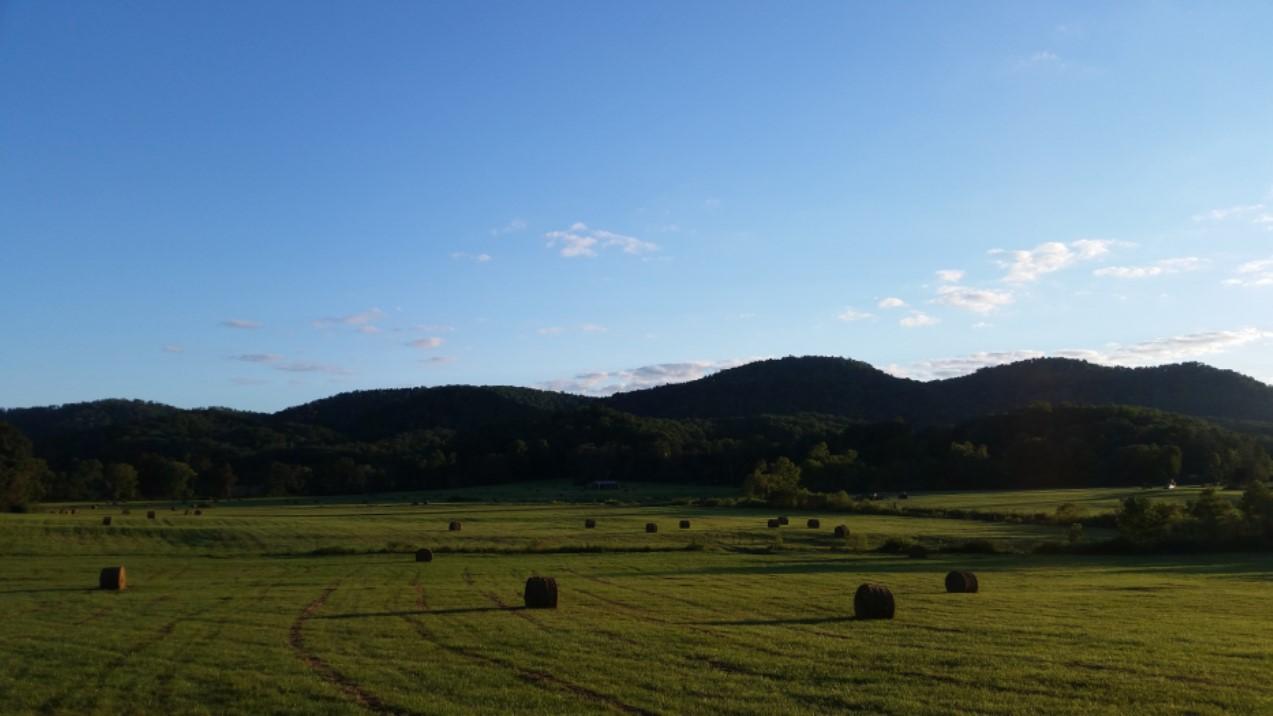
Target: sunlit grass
211	622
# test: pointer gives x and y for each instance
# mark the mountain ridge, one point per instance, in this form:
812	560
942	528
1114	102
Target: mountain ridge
782	386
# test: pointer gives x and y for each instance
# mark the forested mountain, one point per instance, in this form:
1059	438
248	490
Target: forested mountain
837	386
846	425
373	414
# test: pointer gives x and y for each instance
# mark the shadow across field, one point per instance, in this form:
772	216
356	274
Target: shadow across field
853	565
780	622
85	590
418	613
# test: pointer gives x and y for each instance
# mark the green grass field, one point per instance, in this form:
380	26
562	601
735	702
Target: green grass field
320	608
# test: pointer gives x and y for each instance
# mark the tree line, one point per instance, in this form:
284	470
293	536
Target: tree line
217	453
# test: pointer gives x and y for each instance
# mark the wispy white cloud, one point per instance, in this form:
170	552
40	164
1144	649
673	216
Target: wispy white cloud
608	382
1145	353
584	328
579	240
953	367
1025	266
1226	213
1253	273
174	348
511	227
426	342
1042	60
433	327
1158	268
438	360
1257	214
918	319
300	367
464	256
851	314
950	275
241	324
977	300
891	302
257	357
362	318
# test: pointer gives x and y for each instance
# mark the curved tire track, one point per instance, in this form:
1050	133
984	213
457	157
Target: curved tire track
541	679
325	671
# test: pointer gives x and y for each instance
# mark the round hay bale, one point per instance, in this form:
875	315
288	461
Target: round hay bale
685	524
917	551
541	593
150	514
198	513
113	579
651	527
842	531
873	601
958	582
126	511
784	521
814	524
774	524
589	523
454	526
106	520
424	555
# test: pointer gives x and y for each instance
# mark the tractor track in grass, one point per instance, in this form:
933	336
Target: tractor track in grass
54	704
325	671
651	615
541	679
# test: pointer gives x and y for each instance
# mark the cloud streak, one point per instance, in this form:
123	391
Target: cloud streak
1145	353
581	241
1253	274
356	320
600	383
918	319
852	314
241	324
1029	265
1159	268
977	300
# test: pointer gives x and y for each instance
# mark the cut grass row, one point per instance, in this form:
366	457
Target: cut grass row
662	633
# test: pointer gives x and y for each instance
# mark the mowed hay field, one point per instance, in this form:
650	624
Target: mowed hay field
322	608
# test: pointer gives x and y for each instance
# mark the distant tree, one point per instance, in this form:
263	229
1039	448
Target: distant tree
1216	518
21	473
219	480
778	482
86	479
1257	509
283	479
1141	519
121	481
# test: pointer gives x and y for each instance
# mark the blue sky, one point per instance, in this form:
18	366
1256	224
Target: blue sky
258	204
